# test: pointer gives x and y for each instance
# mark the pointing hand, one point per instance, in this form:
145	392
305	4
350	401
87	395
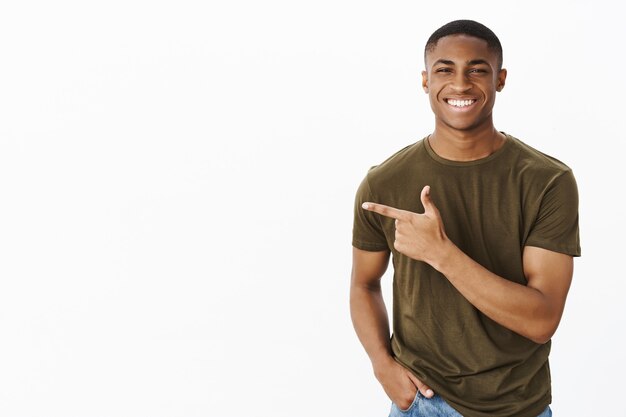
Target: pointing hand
418	236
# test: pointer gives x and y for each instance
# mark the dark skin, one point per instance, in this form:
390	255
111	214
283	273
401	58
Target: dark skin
461	79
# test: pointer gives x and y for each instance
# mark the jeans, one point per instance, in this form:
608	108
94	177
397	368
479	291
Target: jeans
435	407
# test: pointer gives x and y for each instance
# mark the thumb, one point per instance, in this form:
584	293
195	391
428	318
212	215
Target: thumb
429	206
423	388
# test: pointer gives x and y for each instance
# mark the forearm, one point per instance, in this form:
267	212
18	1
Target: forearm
370	320
520	308
369	317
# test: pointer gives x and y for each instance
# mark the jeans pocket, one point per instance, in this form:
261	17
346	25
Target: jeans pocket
410	406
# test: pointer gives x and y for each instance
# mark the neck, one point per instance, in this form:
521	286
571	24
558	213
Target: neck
465	145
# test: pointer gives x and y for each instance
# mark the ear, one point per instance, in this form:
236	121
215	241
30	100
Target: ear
425	81
501	80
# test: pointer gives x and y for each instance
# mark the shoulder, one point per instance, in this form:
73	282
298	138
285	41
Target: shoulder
537	159
547	185
536	165
397	165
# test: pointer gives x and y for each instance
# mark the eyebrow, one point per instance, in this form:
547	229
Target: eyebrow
472	62
478	62
443	61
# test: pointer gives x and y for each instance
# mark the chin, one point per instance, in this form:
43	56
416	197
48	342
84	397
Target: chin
461	126
464	124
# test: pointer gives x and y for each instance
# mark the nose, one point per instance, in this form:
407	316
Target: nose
460	83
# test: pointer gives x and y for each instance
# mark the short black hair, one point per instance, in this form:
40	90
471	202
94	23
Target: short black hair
470	28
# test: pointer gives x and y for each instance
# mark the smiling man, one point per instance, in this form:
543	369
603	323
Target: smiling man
482	230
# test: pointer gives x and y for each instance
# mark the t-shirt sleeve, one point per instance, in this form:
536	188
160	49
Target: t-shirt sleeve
367	231
556	226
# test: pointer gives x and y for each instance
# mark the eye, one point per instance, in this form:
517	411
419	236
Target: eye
477	71
443	70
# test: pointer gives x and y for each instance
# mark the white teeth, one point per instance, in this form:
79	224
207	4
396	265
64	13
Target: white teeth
460	103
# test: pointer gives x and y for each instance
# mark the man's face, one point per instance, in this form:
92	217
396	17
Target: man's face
461	79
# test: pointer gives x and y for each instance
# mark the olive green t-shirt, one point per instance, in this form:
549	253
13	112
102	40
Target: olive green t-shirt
491	209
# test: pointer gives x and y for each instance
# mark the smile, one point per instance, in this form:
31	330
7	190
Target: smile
460	103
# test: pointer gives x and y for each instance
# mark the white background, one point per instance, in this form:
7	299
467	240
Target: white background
176	188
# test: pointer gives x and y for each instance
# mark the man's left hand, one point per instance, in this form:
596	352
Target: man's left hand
418	236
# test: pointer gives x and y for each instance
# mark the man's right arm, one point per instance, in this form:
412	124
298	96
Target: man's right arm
369	317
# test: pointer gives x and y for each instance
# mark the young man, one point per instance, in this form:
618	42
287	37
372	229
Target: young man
482	229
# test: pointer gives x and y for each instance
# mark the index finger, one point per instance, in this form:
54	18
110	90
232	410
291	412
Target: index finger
386	211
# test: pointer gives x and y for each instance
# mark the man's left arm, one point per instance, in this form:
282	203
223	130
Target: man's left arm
533	310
